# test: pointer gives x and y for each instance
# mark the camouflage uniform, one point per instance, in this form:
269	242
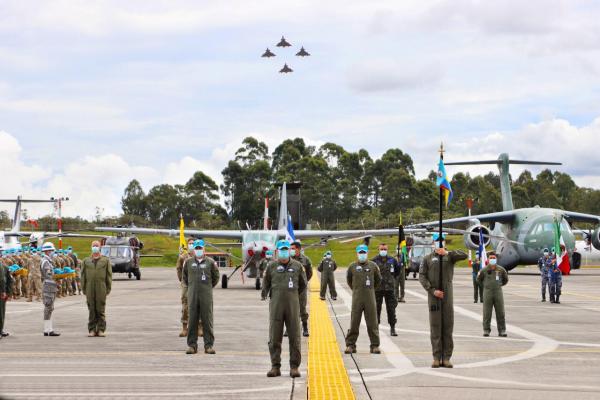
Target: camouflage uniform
35	277
544	265
49	291
555	282
388	267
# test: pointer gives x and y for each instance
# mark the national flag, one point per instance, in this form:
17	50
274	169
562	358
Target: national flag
289	232
562	256
33	223
482	252
442	182
182	242
402	240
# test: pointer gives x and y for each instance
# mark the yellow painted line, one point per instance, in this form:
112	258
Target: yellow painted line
327	375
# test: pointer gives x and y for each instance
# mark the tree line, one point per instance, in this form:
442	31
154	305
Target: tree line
340	189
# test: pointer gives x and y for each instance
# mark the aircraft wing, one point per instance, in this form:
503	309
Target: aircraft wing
501	216
51	235
216	234
306	234
572	216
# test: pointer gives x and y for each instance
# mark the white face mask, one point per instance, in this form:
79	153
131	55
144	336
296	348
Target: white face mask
293	252
493	261
383	253
199	252
328	256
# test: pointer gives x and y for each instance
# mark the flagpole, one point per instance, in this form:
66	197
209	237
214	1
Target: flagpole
441	258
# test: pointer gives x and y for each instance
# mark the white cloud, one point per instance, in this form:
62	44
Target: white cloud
384	75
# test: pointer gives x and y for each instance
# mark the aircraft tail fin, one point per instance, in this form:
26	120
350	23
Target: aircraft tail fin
503	162
18	209
283	211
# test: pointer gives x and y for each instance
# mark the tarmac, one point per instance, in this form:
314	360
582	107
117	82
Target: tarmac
552	350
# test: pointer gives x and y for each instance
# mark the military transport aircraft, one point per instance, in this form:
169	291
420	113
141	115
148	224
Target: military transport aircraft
529	230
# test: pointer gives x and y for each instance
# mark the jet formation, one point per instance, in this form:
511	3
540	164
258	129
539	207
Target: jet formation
283	43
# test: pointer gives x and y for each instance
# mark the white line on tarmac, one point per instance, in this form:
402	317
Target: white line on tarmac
130	374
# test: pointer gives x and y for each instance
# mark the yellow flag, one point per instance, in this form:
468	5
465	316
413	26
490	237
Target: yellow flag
182	243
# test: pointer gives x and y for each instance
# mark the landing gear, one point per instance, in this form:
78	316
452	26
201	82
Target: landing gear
137	273
257	284
129	275
224	281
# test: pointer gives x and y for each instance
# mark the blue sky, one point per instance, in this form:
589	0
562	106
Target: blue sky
93	94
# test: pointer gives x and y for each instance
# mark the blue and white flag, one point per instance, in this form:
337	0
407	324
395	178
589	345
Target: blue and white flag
289	232
482	253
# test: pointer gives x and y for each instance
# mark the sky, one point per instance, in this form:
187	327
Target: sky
96	93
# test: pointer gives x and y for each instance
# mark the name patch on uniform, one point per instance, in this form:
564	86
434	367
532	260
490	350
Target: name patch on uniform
290	269
358	268
280	268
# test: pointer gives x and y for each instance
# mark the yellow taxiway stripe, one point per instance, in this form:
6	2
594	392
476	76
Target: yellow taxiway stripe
327	375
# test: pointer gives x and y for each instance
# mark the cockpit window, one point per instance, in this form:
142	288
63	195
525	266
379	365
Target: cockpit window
116	251
548	227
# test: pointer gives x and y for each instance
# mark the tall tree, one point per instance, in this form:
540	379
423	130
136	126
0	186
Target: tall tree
134	200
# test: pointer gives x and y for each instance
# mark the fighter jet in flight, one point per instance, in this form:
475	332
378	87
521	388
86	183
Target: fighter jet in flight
303	53
268	53
285	69
283	43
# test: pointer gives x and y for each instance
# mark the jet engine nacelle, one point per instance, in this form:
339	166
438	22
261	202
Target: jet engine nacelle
596	238
472	238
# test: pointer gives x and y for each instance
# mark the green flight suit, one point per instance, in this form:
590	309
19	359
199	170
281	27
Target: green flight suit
492	281
96	283
284	282
305	261
363	278
200	276
5	288
441	312
326	268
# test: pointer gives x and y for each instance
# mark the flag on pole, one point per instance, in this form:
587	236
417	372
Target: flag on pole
481	250
442	182
562	256
182	243
289	232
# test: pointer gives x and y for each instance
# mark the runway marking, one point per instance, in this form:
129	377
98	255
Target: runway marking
327	375
130	374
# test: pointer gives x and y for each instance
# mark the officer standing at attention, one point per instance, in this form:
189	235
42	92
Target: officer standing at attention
544	265
49	287
326	268
401	278
296	253
492	278
5	292
200	276
388	267
440	301
363	277
284	280
185	254
96	283
555	280
477	287
262	266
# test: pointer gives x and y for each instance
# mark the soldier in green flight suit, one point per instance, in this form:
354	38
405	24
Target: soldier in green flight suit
440	300
327	268
492	278
5	292
96	283
200	276
296	253
284	280
363	277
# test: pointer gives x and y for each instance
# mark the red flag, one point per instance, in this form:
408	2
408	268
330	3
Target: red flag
33	223
565	264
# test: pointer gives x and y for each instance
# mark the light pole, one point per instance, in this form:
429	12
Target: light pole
58	205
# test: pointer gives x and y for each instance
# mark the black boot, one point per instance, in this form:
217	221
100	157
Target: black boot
557	299
393	330
305	328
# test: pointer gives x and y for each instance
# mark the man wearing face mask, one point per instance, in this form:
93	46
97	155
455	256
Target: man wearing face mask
49	287
390	273
262	266
440	300
184	304
296	253
544	264
327	268
200	275
477	287
363	277
492	278
284	280
96	283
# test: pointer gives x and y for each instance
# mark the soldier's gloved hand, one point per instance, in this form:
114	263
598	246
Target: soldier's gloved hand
439	294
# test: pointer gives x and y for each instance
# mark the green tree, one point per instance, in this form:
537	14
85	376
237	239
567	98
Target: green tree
134	201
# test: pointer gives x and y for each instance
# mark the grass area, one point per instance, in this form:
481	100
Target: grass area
343	253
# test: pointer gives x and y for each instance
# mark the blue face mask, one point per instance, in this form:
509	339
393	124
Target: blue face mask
283	254
293	253
95	249
383	253
199	252
362	257
328	256
191	246
493	261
